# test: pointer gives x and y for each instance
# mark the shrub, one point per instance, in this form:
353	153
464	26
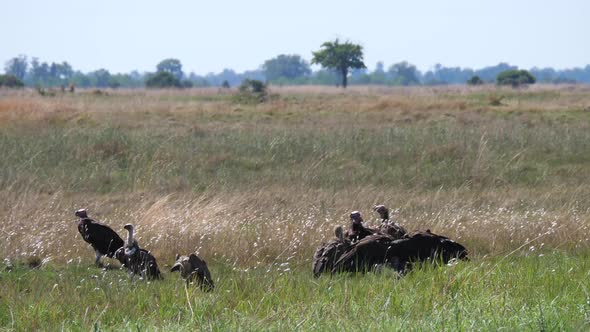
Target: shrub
163	79
251	91
114	84
495	100
475	80
45	92
10	81
515	78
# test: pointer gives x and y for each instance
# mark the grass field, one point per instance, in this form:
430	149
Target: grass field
254	189
525	293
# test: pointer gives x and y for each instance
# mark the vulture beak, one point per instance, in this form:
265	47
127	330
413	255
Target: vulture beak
176	267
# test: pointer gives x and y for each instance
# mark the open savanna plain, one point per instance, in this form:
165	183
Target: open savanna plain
255	189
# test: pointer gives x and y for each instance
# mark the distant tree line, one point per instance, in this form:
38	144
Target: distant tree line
281	70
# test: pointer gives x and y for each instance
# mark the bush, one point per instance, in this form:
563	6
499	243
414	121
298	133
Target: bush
10	81
114	84
515	78
45	92
475	80
163	79
251	91
564	80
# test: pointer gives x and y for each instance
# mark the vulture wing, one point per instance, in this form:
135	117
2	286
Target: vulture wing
202	271
102	238
393	230
366	254
326	256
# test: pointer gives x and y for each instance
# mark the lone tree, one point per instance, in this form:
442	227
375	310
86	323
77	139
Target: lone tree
515	78
340	57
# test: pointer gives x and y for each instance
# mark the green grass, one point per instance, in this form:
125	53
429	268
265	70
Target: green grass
84	157
533	292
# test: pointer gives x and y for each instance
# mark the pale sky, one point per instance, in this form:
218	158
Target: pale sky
208	36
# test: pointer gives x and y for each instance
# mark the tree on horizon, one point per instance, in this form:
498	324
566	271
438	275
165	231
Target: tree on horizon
340	57
172	66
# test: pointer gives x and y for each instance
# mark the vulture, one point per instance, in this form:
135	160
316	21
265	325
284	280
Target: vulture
389	226
192	268
138	261
357	230
381	249
326	255
102	238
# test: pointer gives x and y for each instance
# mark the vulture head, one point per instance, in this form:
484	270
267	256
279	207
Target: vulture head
452	249
355	217
382	211
82	213
182	265
192	267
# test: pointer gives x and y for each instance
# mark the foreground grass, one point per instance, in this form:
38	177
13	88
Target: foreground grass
526	292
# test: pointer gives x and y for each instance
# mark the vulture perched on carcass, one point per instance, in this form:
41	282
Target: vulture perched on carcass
381	249
138	261
326	256
389	226
192	268
102	238
357	230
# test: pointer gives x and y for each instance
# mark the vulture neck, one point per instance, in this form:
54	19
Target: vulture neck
339	233
357	226
130	237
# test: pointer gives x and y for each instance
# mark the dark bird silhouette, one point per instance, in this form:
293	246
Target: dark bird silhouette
381	249
192	268
389	226
357	230
136	260
102	238
326	256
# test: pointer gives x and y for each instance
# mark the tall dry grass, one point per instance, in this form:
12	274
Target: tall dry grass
280	227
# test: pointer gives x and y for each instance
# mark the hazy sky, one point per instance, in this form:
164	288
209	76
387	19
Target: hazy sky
208	36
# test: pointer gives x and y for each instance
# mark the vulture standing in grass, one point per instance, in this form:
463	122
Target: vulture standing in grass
381	249
357	230
389	226
138	261
191	269
102	238
326	256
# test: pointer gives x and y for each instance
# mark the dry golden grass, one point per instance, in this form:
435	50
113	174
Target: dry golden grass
284	225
